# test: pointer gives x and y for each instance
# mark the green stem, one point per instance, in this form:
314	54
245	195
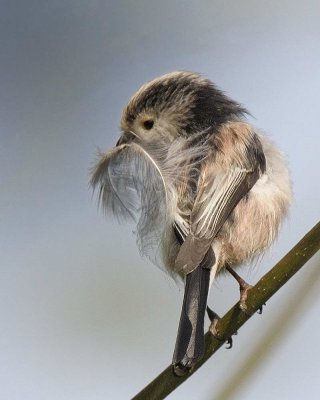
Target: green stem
268	285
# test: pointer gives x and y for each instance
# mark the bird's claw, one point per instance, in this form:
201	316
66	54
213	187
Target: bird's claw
229	343
260	309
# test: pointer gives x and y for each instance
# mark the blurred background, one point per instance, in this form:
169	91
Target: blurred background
82	315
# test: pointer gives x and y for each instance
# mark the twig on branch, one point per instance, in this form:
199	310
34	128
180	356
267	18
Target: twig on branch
259	294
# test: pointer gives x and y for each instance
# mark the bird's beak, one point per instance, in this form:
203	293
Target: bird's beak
126	137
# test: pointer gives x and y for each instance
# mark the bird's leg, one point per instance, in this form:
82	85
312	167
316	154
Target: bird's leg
214	318
244	288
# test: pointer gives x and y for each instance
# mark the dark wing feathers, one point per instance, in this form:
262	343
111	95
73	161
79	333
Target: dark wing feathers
224	180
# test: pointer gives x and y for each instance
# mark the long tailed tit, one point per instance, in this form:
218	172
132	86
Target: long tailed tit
207	190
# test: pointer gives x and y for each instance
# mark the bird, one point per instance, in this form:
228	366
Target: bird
207	190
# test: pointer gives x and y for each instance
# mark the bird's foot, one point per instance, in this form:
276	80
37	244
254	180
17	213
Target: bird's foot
244	289
214	318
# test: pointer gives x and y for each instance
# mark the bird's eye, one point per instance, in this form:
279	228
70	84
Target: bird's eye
148	124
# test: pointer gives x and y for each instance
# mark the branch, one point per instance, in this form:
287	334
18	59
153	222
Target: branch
259	294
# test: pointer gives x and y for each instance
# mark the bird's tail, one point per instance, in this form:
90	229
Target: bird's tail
189	346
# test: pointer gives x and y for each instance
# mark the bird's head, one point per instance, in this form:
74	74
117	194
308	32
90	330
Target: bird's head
178	103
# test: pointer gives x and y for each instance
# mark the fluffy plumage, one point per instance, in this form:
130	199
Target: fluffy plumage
196	178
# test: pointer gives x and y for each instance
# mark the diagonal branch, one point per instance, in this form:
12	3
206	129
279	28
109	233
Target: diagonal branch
259	294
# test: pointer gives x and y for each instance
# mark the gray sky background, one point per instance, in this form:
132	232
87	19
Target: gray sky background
82	315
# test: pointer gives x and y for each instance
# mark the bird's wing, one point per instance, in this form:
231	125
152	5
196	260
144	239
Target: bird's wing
131	186
225	179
